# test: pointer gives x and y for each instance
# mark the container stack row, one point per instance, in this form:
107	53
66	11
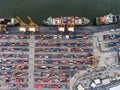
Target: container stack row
14	61
57	58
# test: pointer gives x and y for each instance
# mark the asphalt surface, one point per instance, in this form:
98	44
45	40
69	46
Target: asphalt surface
54	30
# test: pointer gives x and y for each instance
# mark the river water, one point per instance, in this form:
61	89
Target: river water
42	9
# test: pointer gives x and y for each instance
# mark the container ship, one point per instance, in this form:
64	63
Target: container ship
9	21
108	19
66	20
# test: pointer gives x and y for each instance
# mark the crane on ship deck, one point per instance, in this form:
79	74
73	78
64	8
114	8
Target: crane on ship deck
23	26
33	27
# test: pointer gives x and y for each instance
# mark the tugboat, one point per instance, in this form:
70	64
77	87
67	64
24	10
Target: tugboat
66	20
9	21
108	19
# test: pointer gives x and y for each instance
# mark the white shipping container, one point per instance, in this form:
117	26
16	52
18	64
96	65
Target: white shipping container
53	21
80	21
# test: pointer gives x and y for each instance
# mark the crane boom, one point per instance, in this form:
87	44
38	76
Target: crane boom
22	24
70	28
32	24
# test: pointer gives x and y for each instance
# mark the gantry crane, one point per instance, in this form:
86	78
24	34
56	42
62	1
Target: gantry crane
94	60
61	28
70	28
33	27
15	72
117	74
3	28
23	26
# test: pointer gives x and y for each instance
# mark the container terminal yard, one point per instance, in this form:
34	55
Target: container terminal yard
59	45
59	58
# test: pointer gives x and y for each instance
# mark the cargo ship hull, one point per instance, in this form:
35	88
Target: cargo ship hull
66	21
108	19
9	21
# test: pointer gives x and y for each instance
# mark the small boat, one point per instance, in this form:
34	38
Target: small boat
108	19
66	20
9	21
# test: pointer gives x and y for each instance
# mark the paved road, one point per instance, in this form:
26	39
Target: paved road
54	30
31	63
